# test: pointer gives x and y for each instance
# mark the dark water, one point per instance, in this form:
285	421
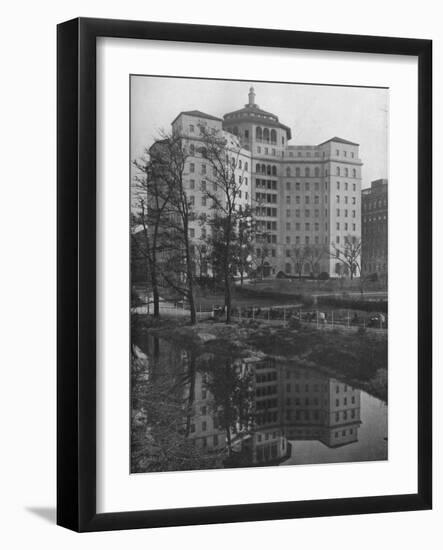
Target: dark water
201	412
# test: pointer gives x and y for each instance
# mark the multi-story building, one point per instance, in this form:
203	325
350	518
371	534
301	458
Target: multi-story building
302	195
375	228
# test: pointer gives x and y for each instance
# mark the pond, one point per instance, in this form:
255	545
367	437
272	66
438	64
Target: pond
198	412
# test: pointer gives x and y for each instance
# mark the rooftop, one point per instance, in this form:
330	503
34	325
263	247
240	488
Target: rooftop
198	114
339	140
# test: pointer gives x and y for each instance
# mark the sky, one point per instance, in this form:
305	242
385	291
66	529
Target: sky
314	113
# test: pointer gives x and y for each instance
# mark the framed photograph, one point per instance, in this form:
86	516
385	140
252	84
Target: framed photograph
244	274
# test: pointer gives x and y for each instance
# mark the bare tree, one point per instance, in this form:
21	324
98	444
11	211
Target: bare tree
151	201
313	254
299	254
224	190
171	156
348	254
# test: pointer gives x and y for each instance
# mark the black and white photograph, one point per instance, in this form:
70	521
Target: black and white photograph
259	273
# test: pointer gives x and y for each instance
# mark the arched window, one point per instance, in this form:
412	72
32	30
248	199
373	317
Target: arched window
354	173
297	171
263	169
257	168
258	133
235	131
192	149
266	134
274	170
268	169
317	171
273	136
288	171
338	170
307	172
346	172
240	164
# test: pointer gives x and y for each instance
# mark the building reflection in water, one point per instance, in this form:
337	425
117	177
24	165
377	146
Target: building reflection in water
266	405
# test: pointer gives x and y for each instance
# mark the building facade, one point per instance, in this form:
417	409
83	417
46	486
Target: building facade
375	229
302	195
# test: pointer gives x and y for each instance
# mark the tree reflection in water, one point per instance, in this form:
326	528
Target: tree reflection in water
220	409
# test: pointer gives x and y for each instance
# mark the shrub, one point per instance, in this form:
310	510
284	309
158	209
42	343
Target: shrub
294	323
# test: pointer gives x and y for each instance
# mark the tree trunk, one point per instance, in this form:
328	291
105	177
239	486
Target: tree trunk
228	297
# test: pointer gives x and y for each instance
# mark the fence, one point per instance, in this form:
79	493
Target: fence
275	315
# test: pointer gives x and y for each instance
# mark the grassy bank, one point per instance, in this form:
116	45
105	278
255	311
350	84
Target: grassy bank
358	358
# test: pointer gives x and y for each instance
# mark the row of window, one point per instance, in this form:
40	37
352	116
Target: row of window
307	153
374	205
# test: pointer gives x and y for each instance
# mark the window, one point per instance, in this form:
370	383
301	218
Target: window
191	184
353	213
297	199
192	167
338	226
346	213
307	226
307	199
346	172
307	186
317	172
337	239
337	199
240	164
288	199
192	232
288	226
307	172
354	171
203	168
288	186
346	199
354	187
204	425
192	200
297	213
338	211
316	199
353	200
307	213
288	213
288	171
203	185
297	226
338	185
337	171
297	171
337	152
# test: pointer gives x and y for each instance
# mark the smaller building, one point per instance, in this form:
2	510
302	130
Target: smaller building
374	239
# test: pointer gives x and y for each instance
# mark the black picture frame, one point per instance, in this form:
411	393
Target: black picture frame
76	249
